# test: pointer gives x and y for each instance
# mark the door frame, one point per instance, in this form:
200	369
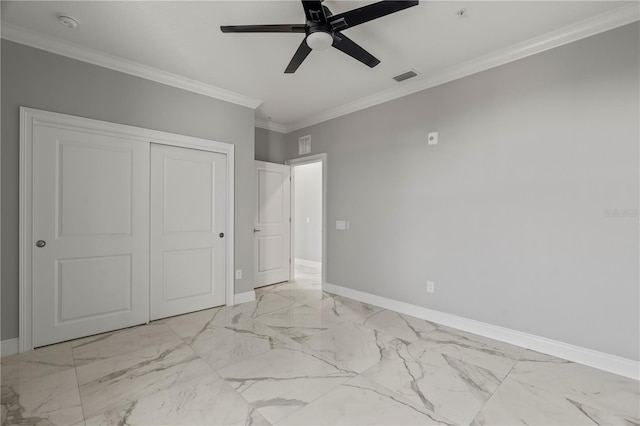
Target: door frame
29	118
316	158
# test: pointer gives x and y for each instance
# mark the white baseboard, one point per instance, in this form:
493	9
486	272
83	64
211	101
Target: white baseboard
248	296
308	263
9	347
600	360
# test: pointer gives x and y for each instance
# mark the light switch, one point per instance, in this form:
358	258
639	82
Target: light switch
341	224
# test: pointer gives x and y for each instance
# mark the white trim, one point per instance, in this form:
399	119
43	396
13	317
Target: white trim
25	298
307	160
603	361
9	347
29	118
27	37
2	344
308	263
230	289
245	297
597	24
270	125
586	28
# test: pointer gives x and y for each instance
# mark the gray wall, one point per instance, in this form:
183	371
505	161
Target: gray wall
308	205
270	146
37	79
507	214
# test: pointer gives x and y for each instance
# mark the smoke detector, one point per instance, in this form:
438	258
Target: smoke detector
68	21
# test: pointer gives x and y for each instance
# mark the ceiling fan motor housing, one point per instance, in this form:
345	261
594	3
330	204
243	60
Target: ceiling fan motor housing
319	35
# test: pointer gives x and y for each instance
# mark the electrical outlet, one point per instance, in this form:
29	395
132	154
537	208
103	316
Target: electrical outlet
431	287
238	274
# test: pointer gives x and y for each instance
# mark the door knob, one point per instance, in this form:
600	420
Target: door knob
255	230
221	234
41	243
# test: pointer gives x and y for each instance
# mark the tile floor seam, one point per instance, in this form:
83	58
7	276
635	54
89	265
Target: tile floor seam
274	328
252	356
156	391
257	318
497	388
441	368
216	370
121	330
239	361
253	408
84	418
274	293
431	412
562	394
175	333
306	303
314	399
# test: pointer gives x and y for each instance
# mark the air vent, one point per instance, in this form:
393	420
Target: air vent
405	76
304	145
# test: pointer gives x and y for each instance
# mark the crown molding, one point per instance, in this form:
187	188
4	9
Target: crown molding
23	36
586	28
270	125
606	21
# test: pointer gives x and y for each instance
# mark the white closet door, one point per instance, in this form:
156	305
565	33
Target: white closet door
91	233
188	223
272	246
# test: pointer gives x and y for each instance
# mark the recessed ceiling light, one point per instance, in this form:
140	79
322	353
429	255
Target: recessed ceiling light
68	21
462	13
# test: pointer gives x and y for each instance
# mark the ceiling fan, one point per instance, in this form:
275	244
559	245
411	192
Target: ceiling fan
323	29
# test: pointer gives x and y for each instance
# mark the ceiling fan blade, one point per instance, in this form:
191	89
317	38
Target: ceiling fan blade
348	46
285	28
300	55
314	11
354	17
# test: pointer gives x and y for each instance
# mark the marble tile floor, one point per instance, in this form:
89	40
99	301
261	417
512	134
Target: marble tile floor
296	356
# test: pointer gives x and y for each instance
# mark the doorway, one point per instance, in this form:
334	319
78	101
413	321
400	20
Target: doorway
308	220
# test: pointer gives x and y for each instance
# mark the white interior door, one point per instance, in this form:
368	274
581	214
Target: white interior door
273	223
91	231
188	222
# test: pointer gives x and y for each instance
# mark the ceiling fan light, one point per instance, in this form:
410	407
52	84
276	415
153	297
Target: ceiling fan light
319	40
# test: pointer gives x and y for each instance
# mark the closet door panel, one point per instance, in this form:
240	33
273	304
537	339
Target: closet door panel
188	223
91	233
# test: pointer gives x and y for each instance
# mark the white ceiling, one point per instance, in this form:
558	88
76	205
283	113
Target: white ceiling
184	38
